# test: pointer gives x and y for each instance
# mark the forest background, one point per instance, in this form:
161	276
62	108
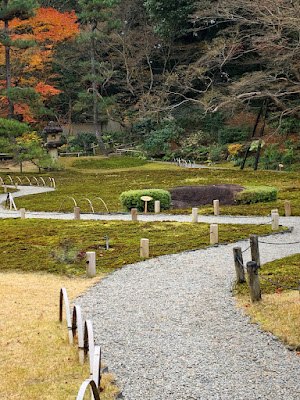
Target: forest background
181	78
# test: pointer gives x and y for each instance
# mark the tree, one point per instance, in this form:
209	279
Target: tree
9	10
33	82
171	17
96	16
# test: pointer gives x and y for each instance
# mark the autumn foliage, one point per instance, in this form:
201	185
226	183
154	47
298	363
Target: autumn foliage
32	66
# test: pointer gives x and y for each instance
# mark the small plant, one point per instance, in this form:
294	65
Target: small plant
132	199
256	194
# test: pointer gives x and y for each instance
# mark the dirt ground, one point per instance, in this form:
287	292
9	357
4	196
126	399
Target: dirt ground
193	196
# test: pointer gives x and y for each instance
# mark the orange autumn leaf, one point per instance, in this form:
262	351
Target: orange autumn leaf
46	91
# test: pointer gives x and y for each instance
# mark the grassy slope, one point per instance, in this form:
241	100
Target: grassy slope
279	310
109	184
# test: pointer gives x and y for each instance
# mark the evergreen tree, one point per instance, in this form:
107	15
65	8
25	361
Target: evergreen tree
96	15
10	9
171	17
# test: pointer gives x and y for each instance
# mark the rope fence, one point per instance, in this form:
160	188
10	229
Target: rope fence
252	268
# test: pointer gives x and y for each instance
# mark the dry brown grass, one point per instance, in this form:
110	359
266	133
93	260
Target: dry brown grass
37	362
278	313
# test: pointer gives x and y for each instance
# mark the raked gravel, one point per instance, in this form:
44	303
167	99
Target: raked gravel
169	329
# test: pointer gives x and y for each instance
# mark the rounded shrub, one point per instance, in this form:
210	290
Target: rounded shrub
132	199
256	194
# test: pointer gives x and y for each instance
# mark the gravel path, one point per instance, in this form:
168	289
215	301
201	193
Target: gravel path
169	328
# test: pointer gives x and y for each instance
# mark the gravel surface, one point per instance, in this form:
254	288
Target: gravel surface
169	329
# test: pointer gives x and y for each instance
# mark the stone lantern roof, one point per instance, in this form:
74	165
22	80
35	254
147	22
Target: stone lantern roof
53	132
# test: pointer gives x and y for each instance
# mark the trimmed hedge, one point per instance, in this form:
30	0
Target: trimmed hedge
256	194
132	199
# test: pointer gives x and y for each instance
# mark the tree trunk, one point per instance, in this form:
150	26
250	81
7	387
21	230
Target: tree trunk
95	97
8	70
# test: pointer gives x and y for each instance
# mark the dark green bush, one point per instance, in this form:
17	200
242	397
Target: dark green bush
231	134
256	194
132	199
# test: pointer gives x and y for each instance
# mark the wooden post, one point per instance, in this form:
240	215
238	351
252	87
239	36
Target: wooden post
216	207
134	214
213	234
275	221
253	280
255	249
287	208
144	250
91	264
157	206
5	188
239	265
76	213
195	214
22	213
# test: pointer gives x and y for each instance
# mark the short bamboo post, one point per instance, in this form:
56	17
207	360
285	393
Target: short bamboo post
76	213
216	204
287	208
90	264
22	213
157	206
253	280
195	214
275	221
144	249
214	234
5	188
239	265
134	214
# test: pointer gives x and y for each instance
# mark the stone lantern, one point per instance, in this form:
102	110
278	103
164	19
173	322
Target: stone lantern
53	132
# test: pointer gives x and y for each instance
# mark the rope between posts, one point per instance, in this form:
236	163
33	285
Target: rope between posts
247	248
277	284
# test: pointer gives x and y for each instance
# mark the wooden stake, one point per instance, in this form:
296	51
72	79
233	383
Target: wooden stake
195	214
255	249
239	265
216	204
90	264
22	213
253	279
157	206
144	250
213	234
275	221
76	213
287	208
134	214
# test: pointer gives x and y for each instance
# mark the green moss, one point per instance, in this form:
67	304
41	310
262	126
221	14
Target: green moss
110	184
108	163
285	271
58	246
256	194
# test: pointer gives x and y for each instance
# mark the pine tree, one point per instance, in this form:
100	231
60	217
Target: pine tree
10	9
93	14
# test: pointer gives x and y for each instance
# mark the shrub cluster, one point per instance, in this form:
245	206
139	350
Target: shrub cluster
132	199
256	194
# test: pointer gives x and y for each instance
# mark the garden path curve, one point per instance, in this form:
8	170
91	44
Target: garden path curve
169	329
